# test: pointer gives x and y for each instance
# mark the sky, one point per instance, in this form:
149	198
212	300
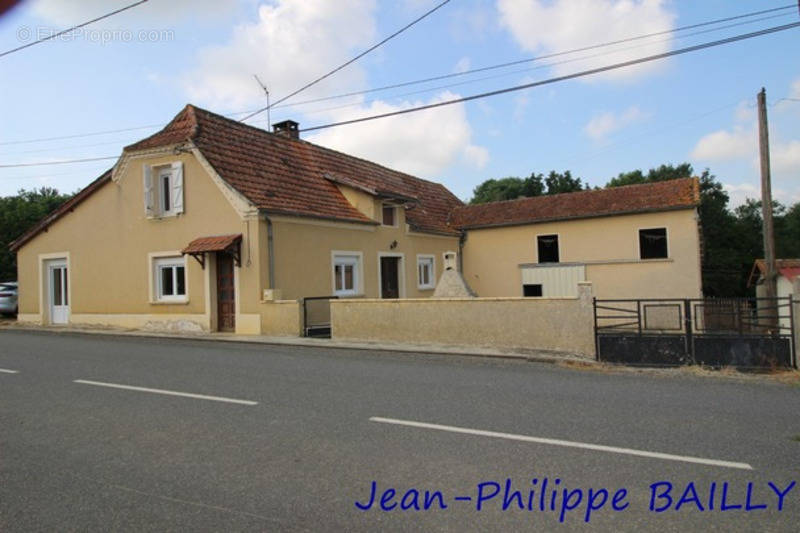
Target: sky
136	70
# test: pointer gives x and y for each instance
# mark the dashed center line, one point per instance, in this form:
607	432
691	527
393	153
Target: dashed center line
166	392
566	443
7	371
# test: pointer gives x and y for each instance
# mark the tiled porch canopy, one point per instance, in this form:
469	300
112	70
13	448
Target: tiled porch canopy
219	243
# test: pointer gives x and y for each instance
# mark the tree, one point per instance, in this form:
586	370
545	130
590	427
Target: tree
494	190
662	173
18	214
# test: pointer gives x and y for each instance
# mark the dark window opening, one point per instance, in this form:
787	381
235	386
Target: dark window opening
388	215
548	248
165	188
532	290
653	243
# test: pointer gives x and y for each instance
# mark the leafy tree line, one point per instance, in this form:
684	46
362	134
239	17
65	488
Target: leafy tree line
731	239
18	214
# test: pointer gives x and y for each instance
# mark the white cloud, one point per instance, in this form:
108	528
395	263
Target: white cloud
541	26
725	145
785	158
463	65
604	124
422	144
70	12
739	193
795	89
289	45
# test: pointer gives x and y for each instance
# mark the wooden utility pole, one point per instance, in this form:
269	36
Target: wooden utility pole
770	281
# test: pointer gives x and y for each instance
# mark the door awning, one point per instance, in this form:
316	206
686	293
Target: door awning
229	244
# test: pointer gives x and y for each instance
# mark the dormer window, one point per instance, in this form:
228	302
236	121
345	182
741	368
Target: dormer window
389	215
163	190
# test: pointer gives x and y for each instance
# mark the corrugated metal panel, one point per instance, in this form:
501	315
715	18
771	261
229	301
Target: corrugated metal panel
556	280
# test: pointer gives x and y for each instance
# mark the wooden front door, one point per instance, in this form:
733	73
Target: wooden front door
390	279
226	294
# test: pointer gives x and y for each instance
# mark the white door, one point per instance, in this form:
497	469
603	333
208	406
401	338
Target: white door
59	292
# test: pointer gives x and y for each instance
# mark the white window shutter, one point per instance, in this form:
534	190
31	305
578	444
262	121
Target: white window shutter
149	196
177	187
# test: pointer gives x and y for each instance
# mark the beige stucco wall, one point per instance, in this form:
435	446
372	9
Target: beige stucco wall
108	239
609	246
558	324
303	254
281	318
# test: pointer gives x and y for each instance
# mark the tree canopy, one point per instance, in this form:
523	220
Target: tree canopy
19	213
510	188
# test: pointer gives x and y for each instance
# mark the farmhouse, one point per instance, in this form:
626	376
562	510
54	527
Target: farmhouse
211	224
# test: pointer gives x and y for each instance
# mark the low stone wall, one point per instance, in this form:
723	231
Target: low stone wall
557	324
281	318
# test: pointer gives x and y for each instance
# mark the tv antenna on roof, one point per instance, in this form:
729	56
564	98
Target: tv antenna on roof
266	91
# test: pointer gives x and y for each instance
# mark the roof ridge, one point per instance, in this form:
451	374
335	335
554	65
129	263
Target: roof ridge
584	191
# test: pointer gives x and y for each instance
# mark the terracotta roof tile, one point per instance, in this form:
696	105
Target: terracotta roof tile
660	196
288	176
216	243
788	268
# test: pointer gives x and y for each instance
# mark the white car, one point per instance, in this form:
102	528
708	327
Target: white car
8	298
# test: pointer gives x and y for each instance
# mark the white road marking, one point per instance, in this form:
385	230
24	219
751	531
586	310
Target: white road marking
7	371
567	443
167	392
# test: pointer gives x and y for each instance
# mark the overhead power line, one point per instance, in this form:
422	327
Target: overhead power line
62	162
583	73
356	58
53	36
550	56
580	74
446	76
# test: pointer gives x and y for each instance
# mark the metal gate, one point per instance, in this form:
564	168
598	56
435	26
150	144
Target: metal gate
317	316
740	332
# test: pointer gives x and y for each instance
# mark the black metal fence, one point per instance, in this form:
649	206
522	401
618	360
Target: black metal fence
741	332
317	316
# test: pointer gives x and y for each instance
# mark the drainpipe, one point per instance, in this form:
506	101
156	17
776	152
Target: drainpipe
461	240
270	252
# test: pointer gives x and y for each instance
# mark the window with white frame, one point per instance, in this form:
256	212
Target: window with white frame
346	274
425	272
169	275
163	190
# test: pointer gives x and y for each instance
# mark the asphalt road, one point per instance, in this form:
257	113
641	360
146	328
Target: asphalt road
288	438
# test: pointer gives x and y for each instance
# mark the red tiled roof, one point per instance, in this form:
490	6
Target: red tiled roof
295	177
659	196
217	243
64	208
788	268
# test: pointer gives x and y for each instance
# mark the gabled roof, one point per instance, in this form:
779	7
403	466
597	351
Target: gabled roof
64	208
295	177
660	196
788	268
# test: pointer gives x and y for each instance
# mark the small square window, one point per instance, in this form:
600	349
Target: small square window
170	279
547	248
653	243
346	274
388	215
425	272
532	290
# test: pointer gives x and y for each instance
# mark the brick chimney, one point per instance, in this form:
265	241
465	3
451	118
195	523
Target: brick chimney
287	128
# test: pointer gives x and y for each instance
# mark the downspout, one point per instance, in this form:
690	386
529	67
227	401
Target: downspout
461	240
270	252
